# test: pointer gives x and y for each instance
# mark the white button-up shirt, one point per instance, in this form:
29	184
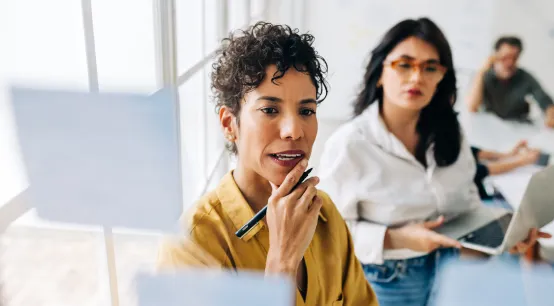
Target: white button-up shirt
377	183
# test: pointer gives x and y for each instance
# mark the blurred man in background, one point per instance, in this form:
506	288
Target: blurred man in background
503	88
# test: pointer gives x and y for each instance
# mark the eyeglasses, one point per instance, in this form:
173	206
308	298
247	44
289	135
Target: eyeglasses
430	71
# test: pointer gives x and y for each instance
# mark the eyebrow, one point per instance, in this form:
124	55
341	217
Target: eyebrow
430	61
273	99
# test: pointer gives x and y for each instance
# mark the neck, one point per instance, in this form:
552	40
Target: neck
400	122
255	189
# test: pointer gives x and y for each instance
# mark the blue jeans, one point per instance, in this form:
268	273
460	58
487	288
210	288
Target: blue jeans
409	282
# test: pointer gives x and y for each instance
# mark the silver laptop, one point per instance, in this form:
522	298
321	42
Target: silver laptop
494	230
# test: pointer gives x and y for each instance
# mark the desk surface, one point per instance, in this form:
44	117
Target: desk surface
490	132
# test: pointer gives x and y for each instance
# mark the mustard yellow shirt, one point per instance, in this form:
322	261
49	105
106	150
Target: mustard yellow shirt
334	275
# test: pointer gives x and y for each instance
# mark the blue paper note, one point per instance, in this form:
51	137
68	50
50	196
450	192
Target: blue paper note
498	282
101	159
213	288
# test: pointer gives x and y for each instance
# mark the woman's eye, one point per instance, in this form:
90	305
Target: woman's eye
431	69
269	110
307	112
405	65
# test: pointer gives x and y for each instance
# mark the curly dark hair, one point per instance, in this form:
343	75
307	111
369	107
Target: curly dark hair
242	60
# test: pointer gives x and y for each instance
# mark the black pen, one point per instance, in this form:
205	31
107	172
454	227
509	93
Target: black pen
261	214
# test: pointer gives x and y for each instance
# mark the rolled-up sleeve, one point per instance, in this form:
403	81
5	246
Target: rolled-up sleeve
340	176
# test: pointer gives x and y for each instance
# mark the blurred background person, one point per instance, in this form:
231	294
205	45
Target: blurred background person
402	167
502	87
491	163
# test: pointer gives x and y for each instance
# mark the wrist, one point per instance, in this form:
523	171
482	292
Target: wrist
278	264
390	239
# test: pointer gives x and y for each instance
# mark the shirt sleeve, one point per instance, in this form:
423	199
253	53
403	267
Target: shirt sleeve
340	175
195	248
542	98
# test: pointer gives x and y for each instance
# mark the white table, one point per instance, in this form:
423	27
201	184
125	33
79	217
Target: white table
490	132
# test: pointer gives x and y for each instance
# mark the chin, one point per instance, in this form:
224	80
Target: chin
506	74
415	104
275	173
277	178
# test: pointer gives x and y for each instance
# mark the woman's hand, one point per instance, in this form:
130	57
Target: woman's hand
523	246
488	63
419	237
528	157
520	146
292	219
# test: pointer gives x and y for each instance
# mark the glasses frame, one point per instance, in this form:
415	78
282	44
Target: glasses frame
417	66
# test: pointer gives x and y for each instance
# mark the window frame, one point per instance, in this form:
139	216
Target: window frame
166	76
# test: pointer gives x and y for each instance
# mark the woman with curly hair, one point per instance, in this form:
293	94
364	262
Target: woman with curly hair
268	82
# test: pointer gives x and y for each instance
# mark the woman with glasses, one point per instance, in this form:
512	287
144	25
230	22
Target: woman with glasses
402	167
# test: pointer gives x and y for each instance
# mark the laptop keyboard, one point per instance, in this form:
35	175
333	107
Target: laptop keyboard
492	234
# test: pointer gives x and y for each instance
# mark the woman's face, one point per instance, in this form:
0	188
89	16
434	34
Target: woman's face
278	125
411	73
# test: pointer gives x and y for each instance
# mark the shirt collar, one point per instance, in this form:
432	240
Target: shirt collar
237	208
382	136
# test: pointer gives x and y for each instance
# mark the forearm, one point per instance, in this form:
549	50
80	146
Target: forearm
393	240
499	167
276	264
475	96
490	155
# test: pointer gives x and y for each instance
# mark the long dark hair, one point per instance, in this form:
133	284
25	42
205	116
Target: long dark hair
438	123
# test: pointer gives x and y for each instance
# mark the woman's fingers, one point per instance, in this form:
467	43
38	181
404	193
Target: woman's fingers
435	223
523	246
316	206
291	179
307	198
299	191
445	241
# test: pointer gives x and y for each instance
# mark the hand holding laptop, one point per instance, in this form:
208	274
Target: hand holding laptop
524	246
493	230
419	237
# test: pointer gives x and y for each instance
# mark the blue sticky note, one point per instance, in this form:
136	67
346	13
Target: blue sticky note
213	288
497	282
101	159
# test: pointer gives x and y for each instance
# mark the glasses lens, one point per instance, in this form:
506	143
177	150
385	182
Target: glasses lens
431	72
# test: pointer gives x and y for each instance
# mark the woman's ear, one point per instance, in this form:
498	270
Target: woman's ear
380	83
227	121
